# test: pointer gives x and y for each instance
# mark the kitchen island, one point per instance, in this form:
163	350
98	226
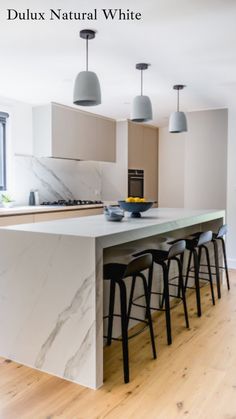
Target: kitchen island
51	286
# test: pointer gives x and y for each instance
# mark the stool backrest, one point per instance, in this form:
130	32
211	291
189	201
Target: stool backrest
139	264
177	249
205	238
222	231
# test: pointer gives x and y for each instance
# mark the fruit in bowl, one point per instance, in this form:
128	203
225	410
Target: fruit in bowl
137	199
135	206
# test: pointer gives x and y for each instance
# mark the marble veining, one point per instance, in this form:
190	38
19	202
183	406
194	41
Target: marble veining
73	365
55	179
75	305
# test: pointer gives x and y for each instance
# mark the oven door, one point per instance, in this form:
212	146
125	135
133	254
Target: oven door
135	183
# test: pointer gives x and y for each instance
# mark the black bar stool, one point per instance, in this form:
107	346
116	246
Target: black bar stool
164	259
116	273
196	245
218	238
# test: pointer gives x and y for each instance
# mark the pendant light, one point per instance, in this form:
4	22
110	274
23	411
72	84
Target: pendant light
178	121
87	90
142	106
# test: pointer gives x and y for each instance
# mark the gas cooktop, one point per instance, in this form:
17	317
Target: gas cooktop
71	202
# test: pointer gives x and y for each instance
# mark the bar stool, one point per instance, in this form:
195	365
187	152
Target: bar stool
196	245
164	259
218	238
117	273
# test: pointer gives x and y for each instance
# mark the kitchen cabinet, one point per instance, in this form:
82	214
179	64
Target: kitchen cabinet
66	214
16	219
135	146
47	216
65	132
143	154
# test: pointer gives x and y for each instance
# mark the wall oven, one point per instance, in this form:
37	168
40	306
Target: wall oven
136	183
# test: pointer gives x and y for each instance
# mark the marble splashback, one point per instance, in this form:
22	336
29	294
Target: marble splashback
55	179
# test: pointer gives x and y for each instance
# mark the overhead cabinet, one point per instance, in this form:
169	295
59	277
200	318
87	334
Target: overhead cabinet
64	132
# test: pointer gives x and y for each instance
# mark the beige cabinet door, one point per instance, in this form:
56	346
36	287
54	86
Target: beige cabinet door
105	140
16	219
135	146
59	215
72	133
77	135
150	159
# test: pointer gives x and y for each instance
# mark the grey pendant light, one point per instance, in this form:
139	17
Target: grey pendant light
87	91
142	106
178	121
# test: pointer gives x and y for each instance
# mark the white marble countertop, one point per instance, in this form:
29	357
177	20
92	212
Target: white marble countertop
156	219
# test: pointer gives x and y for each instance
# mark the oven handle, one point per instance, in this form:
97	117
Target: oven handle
136	177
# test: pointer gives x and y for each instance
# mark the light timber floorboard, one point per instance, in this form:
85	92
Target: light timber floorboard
193	378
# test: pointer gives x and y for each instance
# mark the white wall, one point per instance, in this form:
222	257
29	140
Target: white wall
171	169
206	159
231	188
193	165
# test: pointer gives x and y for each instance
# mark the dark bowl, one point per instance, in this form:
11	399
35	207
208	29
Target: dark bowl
135	207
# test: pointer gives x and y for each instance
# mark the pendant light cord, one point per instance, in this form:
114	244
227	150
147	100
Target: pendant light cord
87	53
178	101
141	82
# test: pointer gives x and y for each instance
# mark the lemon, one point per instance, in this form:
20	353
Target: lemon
142	200
130	199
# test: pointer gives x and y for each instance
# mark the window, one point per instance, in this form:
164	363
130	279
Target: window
3	120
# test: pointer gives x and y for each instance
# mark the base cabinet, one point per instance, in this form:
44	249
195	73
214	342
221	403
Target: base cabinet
47	216
16	219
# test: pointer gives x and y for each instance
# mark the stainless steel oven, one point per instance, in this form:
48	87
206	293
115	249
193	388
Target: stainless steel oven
135	183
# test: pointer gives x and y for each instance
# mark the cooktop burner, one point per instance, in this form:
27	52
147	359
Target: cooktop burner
72	202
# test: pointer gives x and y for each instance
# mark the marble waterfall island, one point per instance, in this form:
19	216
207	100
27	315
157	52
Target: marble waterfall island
51	286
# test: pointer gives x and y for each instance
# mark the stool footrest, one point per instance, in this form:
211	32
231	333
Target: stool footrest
130	318
200	279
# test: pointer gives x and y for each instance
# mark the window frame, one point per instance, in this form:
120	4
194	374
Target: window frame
3	122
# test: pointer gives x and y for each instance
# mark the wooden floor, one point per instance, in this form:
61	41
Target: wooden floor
193	378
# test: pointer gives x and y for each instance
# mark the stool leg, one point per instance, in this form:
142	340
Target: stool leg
124	329
167	303
111	311
131	297
181	285
163	294
216	256
225	262
188	268
149	285
148	314
197	287
210	275
199	256
182	266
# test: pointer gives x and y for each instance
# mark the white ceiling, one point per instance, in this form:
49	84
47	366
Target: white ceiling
186	41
